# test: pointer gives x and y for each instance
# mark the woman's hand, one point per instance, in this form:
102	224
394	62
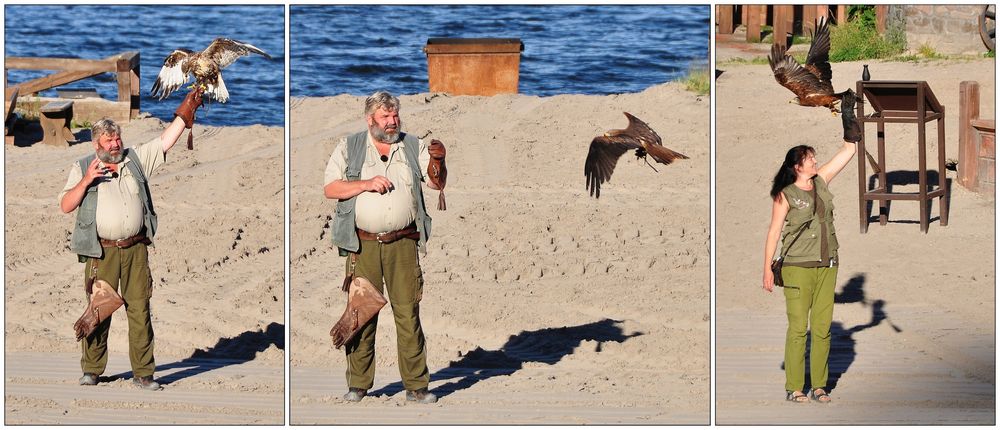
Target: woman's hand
768	280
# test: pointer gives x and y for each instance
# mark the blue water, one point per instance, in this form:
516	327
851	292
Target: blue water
256	85
567	49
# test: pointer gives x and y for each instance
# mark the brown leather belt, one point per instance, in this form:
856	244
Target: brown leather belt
126	242
409	232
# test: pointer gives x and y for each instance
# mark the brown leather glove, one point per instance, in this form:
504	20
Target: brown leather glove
104	301
188	107
436	169
363	303
852	130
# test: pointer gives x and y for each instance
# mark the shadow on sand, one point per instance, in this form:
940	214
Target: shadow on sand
547	346
899	178
226	352
842	343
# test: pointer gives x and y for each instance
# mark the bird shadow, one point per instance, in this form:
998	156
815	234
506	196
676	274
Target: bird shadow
227	351
902	178
843	350
549	346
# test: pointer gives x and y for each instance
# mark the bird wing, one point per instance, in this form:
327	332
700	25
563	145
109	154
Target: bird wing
172	75
602	158
818	59
225	51
650	141
790	74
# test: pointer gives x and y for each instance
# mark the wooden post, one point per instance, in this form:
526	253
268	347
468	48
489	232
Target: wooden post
808	20
754	18
127	68
744	14
725	18
881	12
783	16
968	110
841	14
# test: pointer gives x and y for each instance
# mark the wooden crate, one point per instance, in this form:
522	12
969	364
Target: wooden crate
480	67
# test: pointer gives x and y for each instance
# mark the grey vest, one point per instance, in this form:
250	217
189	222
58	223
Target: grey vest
344	229
85	241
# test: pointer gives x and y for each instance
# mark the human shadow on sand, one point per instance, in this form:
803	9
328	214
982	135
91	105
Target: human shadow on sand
842	343
227	351
547	346
901	178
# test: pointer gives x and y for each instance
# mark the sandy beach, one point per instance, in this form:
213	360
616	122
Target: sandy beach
218	297
913	331
541	304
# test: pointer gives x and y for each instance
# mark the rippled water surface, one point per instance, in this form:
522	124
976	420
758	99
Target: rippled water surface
256	85
567	49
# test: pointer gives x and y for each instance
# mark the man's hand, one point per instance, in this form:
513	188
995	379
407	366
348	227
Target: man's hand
94	171
436	150
378	184
188	107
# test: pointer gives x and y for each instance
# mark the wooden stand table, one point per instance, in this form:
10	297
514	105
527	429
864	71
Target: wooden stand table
908	102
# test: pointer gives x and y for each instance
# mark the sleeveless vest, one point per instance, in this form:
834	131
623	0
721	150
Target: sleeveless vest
84	241
800	211
344	229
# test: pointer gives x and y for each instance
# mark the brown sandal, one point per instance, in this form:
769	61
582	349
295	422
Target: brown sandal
797	397
820	395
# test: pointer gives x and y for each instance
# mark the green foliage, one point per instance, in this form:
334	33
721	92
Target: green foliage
855	40
863	15
928	51
698	81
990	54
74	124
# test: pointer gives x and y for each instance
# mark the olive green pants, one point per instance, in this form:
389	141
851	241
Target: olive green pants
397	263
127	270
809	303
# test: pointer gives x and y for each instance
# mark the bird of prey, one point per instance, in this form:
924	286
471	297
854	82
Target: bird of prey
810	83
607	149
206	67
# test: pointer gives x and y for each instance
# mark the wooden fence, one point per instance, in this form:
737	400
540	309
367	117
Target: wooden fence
69	70
976	143
785	20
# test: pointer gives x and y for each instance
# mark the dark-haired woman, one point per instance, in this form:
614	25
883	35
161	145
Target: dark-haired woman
802	217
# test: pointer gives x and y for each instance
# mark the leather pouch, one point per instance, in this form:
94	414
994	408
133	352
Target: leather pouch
363	303
104	301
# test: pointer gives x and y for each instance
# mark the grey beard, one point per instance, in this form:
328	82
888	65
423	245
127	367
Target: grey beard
106	156
382	136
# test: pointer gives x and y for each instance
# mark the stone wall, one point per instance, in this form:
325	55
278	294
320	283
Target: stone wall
947	29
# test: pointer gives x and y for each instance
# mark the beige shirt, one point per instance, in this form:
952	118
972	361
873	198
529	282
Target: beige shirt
374	212
119	207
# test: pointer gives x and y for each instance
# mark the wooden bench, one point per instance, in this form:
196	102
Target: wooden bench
10	102
55	118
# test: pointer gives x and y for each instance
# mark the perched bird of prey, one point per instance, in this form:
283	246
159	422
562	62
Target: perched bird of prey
810	83
607	149
206	67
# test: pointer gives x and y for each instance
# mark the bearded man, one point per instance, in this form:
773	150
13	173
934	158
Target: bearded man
115	222
380	223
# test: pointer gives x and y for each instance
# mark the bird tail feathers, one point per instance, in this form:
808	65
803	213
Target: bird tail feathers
663	155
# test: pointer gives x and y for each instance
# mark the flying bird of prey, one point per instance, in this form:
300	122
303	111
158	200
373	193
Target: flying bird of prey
607	149
810	83
206	67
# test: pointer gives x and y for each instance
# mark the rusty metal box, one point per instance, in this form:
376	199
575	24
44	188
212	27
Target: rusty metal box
479	67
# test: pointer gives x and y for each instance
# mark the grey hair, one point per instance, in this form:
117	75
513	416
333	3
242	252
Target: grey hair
105	126
381	99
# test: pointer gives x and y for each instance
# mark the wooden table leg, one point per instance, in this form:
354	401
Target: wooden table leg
883	205
943	174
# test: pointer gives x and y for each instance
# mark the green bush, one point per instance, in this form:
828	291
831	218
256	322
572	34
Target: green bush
857	40
698	81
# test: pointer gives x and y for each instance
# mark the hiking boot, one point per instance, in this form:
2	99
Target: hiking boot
88	379
421	396
355	394
146	383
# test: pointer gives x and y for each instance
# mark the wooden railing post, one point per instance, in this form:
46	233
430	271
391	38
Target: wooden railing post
841	14
725	18
127	68
881	13
754	19
968	110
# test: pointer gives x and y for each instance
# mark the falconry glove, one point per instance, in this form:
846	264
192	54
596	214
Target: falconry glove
364	301
436	169
187	110
852	130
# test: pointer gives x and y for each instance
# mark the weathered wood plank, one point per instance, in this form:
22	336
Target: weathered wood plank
968	110
54	80
67	64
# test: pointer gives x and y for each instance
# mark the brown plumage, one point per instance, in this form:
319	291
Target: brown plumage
810	83
607	149
206	67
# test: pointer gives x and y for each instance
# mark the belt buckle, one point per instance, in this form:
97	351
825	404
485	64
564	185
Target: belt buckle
378	237
120	242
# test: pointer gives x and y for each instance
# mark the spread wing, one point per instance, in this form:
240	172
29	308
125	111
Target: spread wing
602	158
650	141
818	59
790	74
172	74
225	51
